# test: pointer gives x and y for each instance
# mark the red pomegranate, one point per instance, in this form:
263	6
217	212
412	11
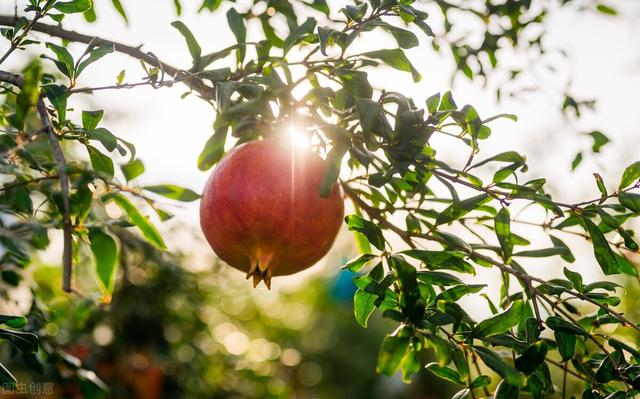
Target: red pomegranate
262	212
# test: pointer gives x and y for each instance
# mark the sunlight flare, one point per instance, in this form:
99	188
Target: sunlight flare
298	138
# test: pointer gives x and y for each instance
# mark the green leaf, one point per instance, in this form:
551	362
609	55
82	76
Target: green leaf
462	364
211	5
408	284
441	260
328	37
630	201
355	13
504	390
29	94
73	6
575	278
355	82
508	156
363	306
395	58
25	342
392	351
194	48
621	346
630	175
441	348
602	251
65	62
497	364
105	252
458	291
604	285
13	321
561	325
503	231
99	161
89	15
136	218
566	344
481	381
405	38
368	112
294	37
132	169
542	253
447	103
174	192
369	229
334	164
599	140
57	95
358	262
444	373
96	50
236	23
605	9
432	103
600	184
576	161
606	370
120	9
7	379
438	278
320	5
533	357
566	253
626	266
105	137
213	149
91	119
410	365
500	322
424	27
457	210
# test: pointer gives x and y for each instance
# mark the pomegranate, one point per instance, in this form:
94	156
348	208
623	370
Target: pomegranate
262	213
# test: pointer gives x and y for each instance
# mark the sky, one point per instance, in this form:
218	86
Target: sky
169	132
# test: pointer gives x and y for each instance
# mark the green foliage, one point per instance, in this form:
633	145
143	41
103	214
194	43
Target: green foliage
105	251
136	218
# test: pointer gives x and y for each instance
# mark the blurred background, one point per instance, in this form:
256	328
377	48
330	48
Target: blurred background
184	325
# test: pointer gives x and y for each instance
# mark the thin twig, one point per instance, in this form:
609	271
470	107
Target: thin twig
11	186
193	83
43	113
500	195
15	42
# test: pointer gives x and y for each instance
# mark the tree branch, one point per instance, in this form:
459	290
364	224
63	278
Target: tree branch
378	215
15	42
67	264
193	83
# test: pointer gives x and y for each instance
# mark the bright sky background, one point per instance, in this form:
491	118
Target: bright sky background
169	132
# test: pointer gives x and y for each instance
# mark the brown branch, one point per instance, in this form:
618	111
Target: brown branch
11	186
193	83
67	264
503	195
569	371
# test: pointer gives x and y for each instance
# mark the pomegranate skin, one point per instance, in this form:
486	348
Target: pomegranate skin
262	213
